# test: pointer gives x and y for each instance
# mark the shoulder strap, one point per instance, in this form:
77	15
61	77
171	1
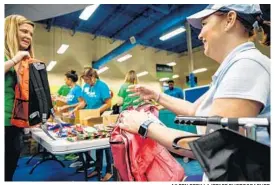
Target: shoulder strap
36	81
39	91
175	144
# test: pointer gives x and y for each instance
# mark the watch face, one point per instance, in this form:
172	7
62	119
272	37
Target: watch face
142	131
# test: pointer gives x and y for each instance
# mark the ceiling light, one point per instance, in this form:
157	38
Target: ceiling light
142	73
172	33
123	58
88	11
163	79
51	65
103	69
199	70
175	76
171	64
62	49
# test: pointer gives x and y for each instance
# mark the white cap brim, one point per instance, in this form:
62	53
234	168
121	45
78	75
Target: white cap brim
195	19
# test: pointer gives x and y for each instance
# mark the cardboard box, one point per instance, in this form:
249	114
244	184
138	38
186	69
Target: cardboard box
75	120
69	120
91	121
85	117
88	113
110	119
90	117
60	103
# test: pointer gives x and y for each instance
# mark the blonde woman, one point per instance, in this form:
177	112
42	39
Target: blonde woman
124	100
18	45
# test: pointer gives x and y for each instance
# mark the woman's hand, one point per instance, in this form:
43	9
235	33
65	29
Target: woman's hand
68	114
132	120
144	92
54	97
60	109
20	55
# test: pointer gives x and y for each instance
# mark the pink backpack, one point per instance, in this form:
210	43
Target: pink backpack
139	159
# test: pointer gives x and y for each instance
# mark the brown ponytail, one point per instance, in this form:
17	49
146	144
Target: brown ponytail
89	71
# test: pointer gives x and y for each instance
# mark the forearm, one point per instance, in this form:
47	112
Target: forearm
79	106
63	99
74	105
159	133
176	105
104	107
9	64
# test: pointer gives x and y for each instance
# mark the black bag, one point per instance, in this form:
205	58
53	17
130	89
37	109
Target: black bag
40	99
228	156
40	104
116	109
32	104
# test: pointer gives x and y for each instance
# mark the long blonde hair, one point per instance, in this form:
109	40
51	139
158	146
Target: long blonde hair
131	77
12	24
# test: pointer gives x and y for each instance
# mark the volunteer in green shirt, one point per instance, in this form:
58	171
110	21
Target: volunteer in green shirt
61	94
64	90
125	100
18	45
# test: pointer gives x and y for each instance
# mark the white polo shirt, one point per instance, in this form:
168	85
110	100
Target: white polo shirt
245	74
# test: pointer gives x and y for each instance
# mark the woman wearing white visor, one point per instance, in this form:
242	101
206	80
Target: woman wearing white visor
241	85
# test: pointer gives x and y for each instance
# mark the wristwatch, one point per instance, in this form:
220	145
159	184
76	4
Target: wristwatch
144	128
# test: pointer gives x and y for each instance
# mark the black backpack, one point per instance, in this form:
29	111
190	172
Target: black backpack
32	103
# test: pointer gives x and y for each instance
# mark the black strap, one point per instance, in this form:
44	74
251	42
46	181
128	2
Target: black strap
34	77
176	140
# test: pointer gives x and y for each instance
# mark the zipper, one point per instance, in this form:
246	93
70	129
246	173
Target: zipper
128	154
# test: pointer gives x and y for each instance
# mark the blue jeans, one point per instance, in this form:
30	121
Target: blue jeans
99	159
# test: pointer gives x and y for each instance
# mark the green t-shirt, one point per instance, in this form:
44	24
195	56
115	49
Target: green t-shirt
128	101
64	90
10	81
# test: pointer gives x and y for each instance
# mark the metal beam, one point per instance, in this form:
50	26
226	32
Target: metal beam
177	46
160	9
78	25
171	47
189	47
129	23
172	19
151	42
103	25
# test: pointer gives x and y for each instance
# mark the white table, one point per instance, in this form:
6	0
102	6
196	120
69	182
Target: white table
62	146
